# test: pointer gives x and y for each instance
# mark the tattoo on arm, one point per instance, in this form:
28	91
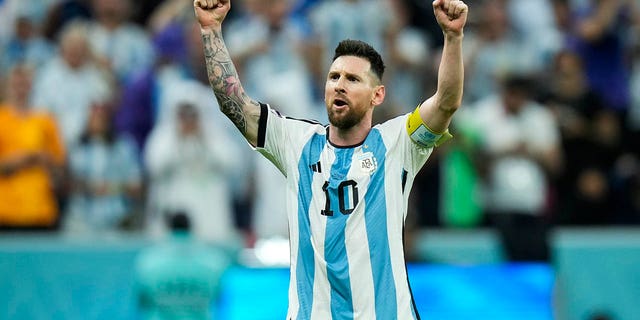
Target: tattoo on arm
224	80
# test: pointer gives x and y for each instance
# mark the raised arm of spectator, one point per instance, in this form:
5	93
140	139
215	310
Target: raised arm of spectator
436	112
601	20
243	111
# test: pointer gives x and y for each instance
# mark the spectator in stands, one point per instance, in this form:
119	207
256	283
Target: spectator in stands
164	14
70	83
179	278
26	46
598	136
150	98
493	50
106	178
584	184
61	13
12	10
599	37
152	93
521	144
272	44
144	92
32	157
189	162
118	43
534	22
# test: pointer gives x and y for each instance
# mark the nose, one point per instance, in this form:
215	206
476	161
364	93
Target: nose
339	87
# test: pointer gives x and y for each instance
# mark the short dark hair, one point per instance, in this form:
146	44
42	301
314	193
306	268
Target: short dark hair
361	49
178	220
518	82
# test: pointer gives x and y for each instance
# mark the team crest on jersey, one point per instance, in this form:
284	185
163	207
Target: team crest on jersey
368	162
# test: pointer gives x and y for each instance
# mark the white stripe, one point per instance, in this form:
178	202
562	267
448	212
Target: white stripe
357	244
395	223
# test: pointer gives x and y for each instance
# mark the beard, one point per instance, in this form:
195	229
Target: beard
344	119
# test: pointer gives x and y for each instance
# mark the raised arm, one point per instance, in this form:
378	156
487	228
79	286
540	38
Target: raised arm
436	112
593	27
243	111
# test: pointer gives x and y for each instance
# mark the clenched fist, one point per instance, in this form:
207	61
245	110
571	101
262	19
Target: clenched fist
451	16
211	13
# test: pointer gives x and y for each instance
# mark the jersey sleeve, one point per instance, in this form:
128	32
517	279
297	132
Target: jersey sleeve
281	139
414	155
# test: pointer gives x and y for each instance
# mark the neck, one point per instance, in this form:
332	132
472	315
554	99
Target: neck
348	137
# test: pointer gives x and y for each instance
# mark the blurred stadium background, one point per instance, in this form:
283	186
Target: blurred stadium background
141	136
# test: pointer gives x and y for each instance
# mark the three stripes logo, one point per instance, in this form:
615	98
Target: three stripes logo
316	167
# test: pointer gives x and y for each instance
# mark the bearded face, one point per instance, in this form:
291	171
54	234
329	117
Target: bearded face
349	92
344	116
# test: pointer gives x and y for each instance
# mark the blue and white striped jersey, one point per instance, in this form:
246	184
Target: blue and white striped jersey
346	208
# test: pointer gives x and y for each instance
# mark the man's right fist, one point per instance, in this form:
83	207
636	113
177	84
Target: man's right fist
211	13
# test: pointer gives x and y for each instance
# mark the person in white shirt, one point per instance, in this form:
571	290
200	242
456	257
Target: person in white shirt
520	143
190	170
71	83
119	44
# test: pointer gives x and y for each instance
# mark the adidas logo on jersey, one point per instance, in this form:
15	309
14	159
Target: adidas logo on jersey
316	167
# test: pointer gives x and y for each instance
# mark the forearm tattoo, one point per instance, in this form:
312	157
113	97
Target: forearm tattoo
224	80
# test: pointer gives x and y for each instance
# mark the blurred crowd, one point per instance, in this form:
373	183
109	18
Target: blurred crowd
108	124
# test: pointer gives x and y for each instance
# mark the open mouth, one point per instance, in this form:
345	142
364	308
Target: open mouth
339	103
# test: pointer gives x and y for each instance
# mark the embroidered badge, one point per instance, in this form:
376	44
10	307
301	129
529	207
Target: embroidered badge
368	162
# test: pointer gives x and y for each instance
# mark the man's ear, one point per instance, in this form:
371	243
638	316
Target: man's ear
378	95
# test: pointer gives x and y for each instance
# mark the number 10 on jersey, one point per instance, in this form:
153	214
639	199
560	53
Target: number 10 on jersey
346	190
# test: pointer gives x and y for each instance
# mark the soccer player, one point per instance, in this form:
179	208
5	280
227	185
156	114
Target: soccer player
348	182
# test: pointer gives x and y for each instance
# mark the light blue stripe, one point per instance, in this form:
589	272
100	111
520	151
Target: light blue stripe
305	271
335	251
376	224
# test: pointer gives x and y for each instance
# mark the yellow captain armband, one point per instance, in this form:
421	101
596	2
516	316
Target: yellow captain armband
423	135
